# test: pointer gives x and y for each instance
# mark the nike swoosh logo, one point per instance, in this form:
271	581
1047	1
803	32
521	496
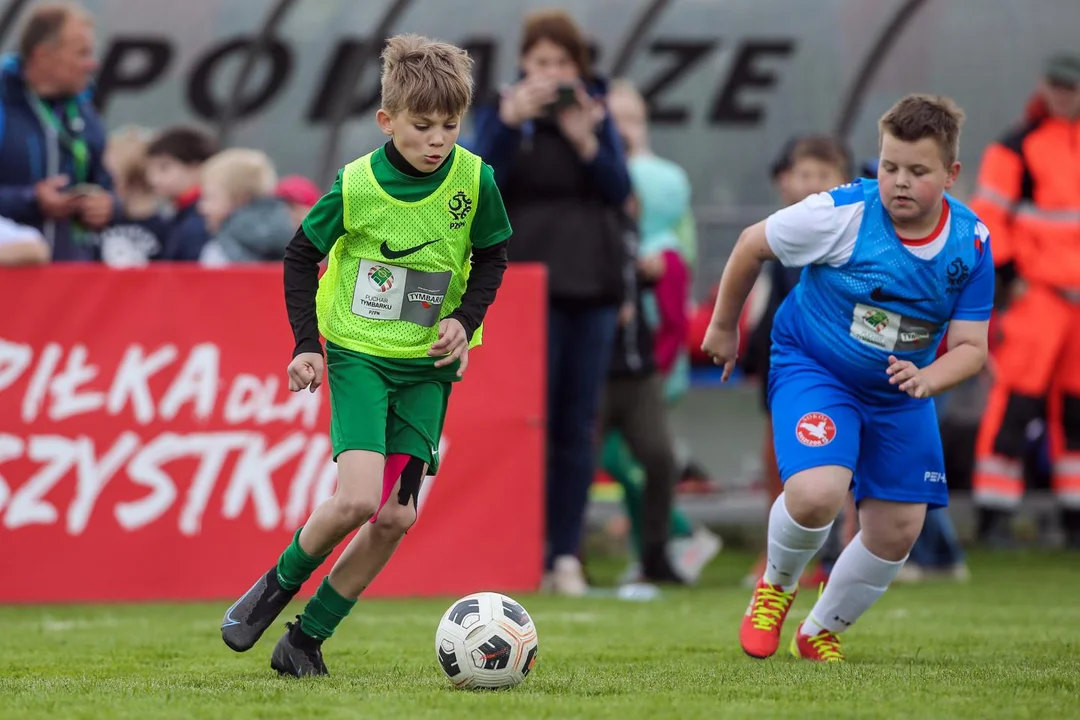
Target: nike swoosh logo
879	295
395	254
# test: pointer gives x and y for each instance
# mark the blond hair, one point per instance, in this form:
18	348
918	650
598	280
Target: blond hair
425	77
125	156
242	173
926	116
622	86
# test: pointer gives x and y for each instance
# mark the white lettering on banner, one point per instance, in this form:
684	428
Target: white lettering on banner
251	399
242	403
63	393
39	384
300	404
28	505
14	359
300	495
11	447
66	399
94	476
131	383
197	383
73	463
146	470
215	449
253	477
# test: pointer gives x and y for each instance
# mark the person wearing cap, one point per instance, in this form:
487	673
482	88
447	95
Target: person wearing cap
300	193
1028	194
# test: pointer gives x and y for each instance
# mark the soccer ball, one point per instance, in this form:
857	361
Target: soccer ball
486	640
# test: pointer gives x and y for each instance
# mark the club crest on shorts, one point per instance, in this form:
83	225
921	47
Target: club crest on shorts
815	429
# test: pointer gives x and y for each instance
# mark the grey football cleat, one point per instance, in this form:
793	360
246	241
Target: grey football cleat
252	614
298	654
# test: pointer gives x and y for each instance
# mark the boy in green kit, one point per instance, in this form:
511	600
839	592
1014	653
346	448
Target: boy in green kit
416	235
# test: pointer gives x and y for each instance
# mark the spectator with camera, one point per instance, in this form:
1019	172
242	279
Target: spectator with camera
562	171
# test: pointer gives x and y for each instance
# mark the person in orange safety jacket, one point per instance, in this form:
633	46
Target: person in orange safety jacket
1028	194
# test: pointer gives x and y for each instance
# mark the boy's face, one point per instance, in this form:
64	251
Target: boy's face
215	204
424	141
913	177
169	178
809	176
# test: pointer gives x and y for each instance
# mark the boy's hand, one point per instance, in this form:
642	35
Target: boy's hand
908	377
723	347
306	371
453	344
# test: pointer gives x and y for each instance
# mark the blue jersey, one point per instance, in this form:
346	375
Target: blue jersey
865	294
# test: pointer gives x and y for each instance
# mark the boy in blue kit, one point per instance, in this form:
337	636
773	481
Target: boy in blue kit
891	266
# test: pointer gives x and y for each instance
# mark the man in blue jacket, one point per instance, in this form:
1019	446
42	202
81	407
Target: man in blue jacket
51	138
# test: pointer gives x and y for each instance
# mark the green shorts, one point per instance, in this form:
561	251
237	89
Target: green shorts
387	405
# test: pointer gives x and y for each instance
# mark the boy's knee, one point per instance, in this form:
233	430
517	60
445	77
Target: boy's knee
891	545
813	511
354	511
814	497
891	532
395	520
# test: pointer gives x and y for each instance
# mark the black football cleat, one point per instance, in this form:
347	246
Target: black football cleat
252	614
298	654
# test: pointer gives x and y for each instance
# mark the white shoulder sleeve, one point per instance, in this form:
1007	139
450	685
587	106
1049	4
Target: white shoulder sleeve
814	232
12	232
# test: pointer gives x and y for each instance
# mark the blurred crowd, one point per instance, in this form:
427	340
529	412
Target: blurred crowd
572	157
71	192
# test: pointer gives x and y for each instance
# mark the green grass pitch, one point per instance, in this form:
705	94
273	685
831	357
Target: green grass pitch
1004	645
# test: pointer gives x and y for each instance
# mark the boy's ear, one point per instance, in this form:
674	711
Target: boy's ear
954	173
386	122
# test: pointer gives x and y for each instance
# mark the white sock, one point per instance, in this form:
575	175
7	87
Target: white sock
857	581
791	547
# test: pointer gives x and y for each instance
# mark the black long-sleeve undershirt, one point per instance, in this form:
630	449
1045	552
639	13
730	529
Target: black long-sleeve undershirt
302	260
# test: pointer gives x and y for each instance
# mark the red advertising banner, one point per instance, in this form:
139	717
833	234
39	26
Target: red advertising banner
150	448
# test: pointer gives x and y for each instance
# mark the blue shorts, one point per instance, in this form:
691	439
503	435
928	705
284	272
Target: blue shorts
893	450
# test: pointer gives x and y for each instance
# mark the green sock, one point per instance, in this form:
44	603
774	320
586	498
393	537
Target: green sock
622	468
680	524
625	470
295	566
325	611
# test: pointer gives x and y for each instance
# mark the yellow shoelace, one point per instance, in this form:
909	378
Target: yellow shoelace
770	604
827	645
